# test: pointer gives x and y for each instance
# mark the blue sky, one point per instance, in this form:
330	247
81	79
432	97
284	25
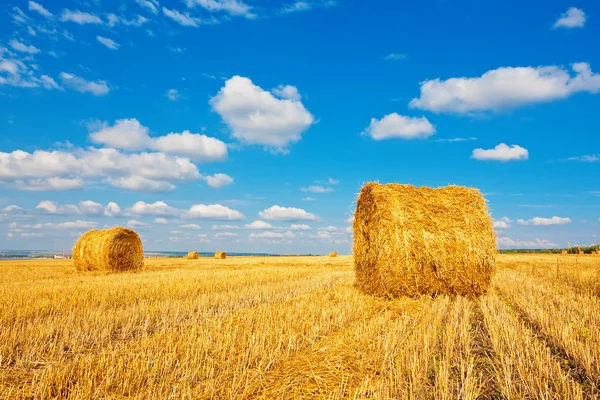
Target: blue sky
251	125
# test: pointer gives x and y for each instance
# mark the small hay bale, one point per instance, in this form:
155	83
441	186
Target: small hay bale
563	252
193	255
333	254
410	241
116	249
221	255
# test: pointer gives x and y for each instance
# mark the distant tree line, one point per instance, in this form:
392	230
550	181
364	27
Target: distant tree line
570	250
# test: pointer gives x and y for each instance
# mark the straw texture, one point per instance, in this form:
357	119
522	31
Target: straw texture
410	241
220	255
193	255
116	249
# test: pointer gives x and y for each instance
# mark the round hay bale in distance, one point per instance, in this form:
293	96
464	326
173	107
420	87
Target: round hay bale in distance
333	254
410	241
220	255
193	255
115	249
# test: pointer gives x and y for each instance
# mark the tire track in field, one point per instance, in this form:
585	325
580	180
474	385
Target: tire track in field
570	365
483	351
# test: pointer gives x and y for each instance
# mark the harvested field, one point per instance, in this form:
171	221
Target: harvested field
295	327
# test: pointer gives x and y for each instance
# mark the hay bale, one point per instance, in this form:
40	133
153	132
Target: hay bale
116	249
333	254
220	255
563	252
410	241
193	255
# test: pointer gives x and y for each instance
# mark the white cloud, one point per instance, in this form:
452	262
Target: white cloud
222	235
162	221
129	134
137	224
255	116
172	94
538	221
501	152
48	184
80	17
224	227
332	181
10	235
308	199
277	213
51	207
316	189
36	234
454	140
395	56
502	223
13	209
573	18
112	209
186	19
218	181
90	207
65	170
49	83
398	126
299	227
232	7
506	242
151	5
267	235
111	44
191	226
504	88
23	48
157	208
330	229
33	6
114	20
97	88
295	7
259	225
586	158
349	220
287	92
141	184
213	211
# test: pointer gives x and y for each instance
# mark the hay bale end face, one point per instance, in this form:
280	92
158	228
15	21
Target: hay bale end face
220	255
333	254
193	255
410	241
116	249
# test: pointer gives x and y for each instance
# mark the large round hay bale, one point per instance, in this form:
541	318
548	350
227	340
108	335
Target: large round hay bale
410	241
193	255
220	255
116	249
333	254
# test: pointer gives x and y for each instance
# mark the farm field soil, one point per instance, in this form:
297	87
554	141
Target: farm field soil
295	327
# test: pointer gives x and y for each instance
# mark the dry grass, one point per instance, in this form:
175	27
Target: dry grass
295	327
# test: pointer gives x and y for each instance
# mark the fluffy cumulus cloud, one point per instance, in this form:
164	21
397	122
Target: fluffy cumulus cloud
193	227
143	171
86	207
501	152
212	211
507	243
398	126
502	223
130	134
111	44
134	224
97	88
299	227
157	208
225	227
217	181
505	88
162	221
256	116
572	18
112	210
258	224
278	213
538	221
